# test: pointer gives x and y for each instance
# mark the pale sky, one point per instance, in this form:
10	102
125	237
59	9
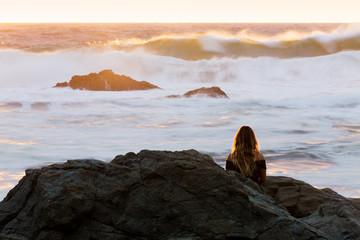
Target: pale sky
180	11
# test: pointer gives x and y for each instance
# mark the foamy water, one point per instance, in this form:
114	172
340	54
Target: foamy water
304	110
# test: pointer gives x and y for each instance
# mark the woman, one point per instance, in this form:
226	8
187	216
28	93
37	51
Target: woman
246	157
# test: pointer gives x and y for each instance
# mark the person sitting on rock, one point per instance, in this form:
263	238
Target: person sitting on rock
246	157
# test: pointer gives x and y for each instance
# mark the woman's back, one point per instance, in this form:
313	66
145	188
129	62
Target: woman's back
246	157
259	167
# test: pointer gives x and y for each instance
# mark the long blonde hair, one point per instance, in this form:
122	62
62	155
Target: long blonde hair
243	151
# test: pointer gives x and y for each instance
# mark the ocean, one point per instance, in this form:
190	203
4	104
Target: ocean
296	85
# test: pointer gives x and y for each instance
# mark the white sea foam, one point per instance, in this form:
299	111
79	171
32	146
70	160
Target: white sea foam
44	70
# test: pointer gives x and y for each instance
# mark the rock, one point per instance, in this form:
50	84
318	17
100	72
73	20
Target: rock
40	106
214	92
62	84
298	197
149	195
340	220
10	105
106	80
174	96
323	209
302	199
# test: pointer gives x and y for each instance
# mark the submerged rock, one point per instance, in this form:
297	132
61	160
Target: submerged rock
214	92
106	80
40	106
10	105
149	195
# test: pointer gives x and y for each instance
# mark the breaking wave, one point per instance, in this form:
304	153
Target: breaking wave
218	45
197	46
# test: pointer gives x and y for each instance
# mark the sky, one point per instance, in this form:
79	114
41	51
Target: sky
179	11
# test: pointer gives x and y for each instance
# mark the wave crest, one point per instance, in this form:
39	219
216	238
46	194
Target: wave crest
193	46
222	45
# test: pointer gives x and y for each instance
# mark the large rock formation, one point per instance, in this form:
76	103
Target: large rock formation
214	92
106	81
155	195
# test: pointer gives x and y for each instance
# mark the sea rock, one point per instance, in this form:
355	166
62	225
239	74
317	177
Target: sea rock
40	106
106	80
214	92
10	105
62	84
149	195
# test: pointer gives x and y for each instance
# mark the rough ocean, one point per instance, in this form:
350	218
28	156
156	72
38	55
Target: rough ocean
296	85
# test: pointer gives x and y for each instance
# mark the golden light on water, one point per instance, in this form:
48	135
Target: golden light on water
291	166
6	185
15	142
336	188
9	179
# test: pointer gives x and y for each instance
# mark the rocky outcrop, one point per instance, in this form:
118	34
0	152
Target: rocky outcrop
106	81
214	92
323	209
299	198
151	195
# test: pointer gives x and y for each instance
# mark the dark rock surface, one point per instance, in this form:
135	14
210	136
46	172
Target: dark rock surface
299	198
106	81
324	209
214	92
158	195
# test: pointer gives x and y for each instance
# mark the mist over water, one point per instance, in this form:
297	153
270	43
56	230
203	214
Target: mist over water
304	106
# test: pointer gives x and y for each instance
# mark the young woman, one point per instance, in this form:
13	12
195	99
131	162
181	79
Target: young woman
246	157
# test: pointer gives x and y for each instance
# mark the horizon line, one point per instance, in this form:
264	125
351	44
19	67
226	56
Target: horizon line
321	22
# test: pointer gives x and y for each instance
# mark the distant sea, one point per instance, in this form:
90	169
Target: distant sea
296	85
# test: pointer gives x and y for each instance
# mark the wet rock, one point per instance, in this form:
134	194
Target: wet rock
10	105
214	92
149	195
40	106
106	81
174	96
62	84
